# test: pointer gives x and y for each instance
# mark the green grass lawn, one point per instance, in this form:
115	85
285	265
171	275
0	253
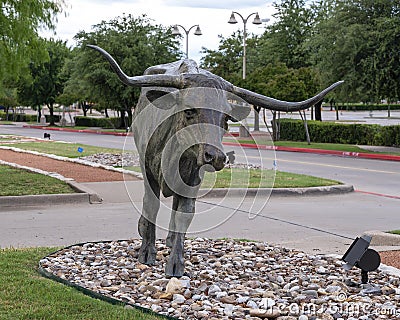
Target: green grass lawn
18	182
253	178
69	150
25	294
394	232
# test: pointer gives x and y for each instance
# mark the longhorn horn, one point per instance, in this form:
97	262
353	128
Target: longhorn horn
278	105
159	80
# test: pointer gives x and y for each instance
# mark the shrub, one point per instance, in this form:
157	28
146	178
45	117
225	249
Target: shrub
330	132
107	123
365	107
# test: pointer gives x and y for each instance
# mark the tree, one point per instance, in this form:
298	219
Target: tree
136	44
358	41
45	81
284	40
227	60
19	25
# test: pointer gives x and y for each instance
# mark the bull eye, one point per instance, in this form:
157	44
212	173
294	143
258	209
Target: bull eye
190	113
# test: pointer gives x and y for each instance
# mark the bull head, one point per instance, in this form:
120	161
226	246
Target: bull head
187	80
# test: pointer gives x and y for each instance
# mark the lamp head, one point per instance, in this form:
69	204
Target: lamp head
198	31
232	19
175	31
257	19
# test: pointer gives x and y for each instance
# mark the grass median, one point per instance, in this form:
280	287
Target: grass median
19	182
69	150
238	178
25	294
256	178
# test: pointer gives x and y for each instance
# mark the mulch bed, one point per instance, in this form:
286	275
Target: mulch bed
76	171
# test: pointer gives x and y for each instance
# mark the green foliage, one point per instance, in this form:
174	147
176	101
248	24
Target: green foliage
135	43
357	41
367	107
45	82
330	132
352	40
20	117
281	82
107	123
284	40
227	60
20	22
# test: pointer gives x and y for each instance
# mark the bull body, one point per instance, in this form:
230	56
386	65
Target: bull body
177	132
178	127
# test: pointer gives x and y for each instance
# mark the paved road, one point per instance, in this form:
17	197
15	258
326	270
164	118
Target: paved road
366	175
315	224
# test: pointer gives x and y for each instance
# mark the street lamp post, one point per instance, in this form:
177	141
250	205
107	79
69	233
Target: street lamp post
256	21
176	32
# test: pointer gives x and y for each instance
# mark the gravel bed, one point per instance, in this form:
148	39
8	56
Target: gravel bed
113	159
130	160
229	279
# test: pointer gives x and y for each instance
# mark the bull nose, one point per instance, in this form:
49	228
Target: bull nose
214	157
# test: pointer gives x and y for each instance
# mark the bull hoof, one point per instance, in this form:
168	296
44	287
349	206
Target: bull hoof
147	254
175	267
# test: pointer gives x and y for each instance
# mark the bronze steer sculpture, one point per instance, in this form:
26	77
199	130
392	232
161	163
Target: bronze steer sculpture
178	126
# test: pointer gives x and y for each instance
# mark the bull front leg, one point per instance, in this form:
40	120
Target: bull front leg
182	216
146	225
172	227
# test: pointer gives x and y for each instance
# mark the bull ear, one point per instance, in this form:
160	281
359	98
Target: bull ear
161	99
239	112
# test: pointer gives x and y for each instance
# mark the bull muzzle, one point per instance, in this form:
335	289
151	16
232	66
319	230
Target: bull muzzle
212	156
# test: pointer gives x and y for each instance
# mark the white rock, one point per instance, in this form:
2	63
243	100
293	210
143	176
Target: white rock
213	289
178	298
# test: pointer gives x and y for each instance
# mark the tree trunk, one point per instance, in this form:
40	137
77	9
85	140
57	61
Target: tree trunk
122	119
7	108
84	109
51	109
318	112
129	122
106	113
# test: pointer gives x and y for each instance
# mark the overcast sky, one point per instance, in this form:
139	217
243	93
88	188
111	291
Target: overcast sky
211	15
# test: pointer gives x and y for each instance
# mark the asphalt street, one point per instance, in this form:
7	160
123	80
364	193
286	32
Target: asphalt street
324	224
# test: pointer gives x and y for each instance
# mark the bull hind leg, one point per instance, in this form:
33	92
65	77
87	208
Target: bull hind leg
183	216
146	225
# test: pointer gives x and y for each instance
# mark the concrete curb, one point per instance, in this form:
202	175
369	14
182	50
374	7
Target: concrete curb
45	199
265	192
93	196
83	195
380	238
123	134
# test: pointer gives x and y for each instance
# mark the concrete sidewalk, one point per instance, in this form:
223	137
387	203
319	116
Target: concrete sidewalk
315	224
